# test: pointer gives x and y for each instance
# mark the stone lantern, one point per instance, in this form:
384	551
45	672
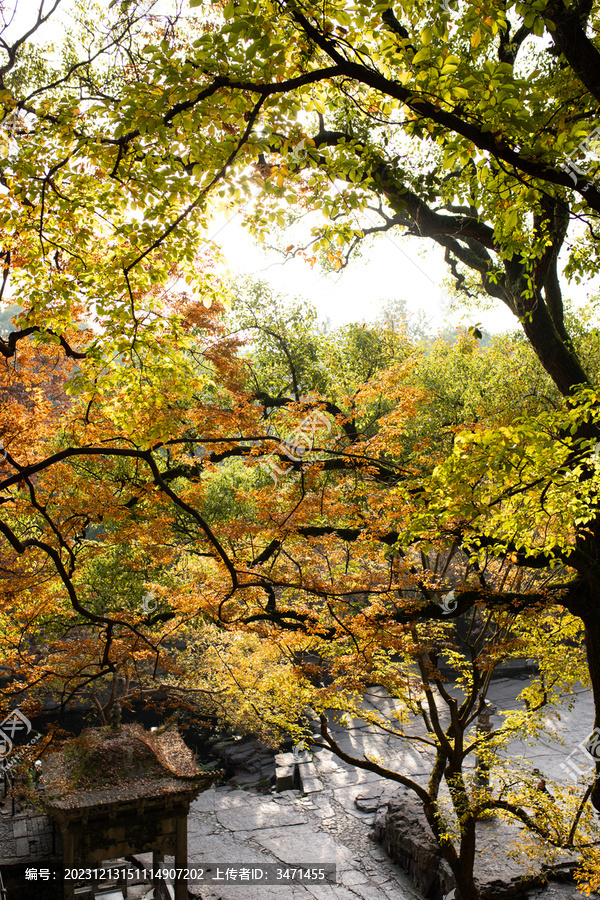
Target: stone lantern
483	728
120	790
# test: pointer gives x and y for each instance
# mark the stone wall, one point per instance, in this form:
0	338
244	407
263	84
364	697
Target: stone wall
403	832
407	839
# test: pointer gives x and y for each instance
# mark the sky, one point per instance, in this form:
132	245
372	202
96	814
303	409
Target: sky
391	267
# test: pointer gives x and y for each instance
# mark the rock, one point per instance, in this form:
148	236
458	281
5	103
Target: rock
405	835
308	776
249	762
222	746
284	778
368	803
311	784
245	780
284	759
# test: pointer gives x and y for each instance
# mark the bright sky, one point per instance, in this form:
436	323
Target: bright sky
392	267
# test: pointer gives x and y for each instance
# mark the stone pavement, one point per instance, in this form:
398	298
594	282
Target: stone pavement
235	827
557	753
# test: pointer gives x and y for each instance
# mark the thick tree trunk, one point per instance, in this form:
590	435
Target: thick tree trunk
465	887
462	869
465	882
558	360
591	621
553	351
462	864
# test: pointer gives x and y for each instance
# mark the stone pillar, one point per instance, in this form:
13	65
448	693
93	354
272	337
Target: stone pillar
157	861
482	729
69	862
181	891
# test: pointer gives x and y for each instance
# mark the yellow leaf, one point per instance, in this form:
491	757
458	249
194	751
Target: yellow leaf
476	39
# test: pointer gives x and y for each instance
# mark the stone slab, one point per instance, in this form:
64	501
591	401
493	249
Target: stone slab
284	778
368	801
199	829
350	877
222	848
323	804
298	844
372	891
204	802
20	828
259	815
341	779
311	784
284	759
337	892
226	798
309	777
22	847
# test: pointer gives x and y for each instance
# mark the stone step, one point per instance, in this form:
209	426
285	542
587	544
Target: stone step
293	772
285	772
309	777
284	778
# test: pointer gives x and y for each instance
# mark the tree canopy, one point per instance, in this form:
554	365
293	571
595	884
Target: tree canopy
187	460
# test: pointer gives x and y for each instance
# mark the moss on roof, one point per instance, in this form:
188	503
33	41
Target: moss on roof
103	766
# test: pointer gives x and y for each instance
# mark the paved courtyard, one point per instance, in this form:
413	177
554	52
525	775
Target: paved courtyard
232	827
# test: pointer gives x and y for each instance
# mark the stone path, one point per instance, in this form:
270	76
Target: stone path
557	753
236	827
233	828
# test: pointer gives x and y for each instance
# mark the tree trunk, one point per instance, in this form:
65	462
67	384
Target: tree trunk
465	882
591	621
465	888
462	863
462	869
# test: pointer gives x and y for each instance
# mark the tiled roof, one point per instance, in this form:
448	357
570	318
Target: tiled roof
102	767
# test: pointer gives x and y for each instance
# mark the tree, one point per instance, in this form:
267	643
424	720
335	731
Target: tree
492	192
222	544
99	301
347	615
222	101
504	106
